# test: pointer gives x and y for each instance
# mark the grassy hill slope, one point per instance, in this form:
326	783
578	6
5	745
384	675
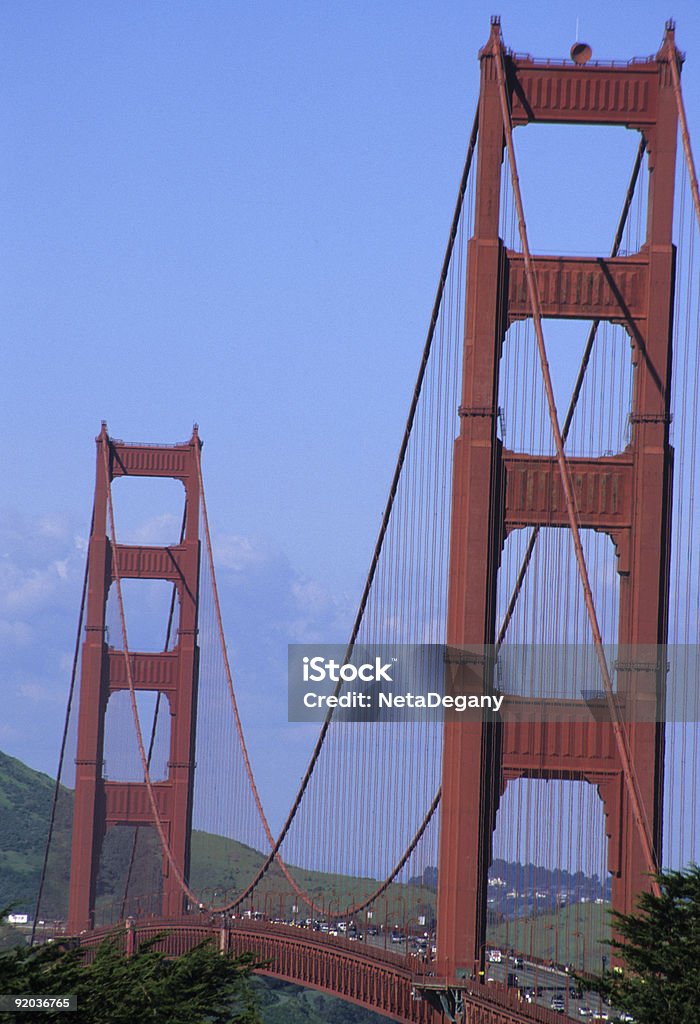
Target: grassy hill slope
25	806
575	934
219	864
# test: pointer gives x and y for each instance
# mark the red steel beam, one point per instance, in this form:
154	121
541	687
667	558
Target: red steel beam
100	803
495	491
581	287
373	978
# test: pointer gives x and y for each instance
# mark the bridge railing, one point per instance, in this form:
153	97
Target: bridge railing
366	975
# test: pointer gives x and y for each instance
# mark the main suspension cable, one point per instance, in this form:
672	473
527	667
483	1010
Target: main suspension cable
156	712
387	511
673	59
237	718
174	866
145	758
585	359
64	737
620	734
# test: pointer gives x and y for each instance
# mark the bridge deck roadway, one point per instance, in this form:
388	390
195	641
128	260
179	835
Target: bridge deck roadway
373	978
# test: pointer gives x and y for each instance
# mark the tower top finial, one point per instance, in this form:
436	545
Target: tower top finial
494	42
669	49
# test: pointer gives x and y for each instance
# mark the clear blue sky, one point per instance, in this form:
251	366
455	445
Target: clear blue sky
235	213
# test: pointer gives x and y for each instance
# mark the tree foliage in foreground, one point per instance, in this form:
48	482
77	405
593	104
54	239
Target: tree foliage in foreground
660	950
199	986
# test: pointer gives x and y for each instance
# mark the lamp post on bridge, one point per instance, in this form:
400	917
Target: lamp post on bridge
218	899
420	922
268	896
400	902
582	935
334	899
554	928
206	898
386	920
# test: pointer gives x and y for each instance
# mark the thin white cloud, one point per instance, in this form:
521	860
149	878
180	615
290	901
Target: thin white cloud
15	633
266	604
40	693
9	735
163	529
238	554
52	526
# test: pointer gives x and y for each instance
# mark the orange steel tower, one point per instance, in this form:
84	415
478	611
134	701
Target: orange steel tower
495	491
100	803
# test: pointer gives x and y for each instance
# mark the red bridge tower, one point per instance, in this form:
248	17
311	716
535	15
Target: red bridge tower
100	804
493	488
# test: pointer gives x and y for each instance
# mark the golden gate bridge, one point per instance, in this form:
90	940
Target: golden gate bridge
422	864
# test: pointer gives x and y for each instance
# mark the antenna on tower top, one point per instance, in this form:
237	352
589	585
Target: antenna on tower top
580	52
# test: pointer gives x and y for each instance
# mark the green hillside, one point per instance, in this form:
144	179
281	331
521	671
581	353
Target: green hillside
25	806
217	864
282	1003
566	937
220	867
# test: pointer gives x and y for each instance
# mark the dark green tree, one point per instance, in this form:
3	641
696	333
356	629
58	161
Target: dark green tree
111	988
659	947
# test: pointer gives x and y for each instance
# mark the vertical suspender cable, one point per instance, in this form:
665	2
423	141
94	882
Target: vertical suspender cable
64	738
130	680
182	882
566	426
621	740
673	59
685	134
156	711
389	504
